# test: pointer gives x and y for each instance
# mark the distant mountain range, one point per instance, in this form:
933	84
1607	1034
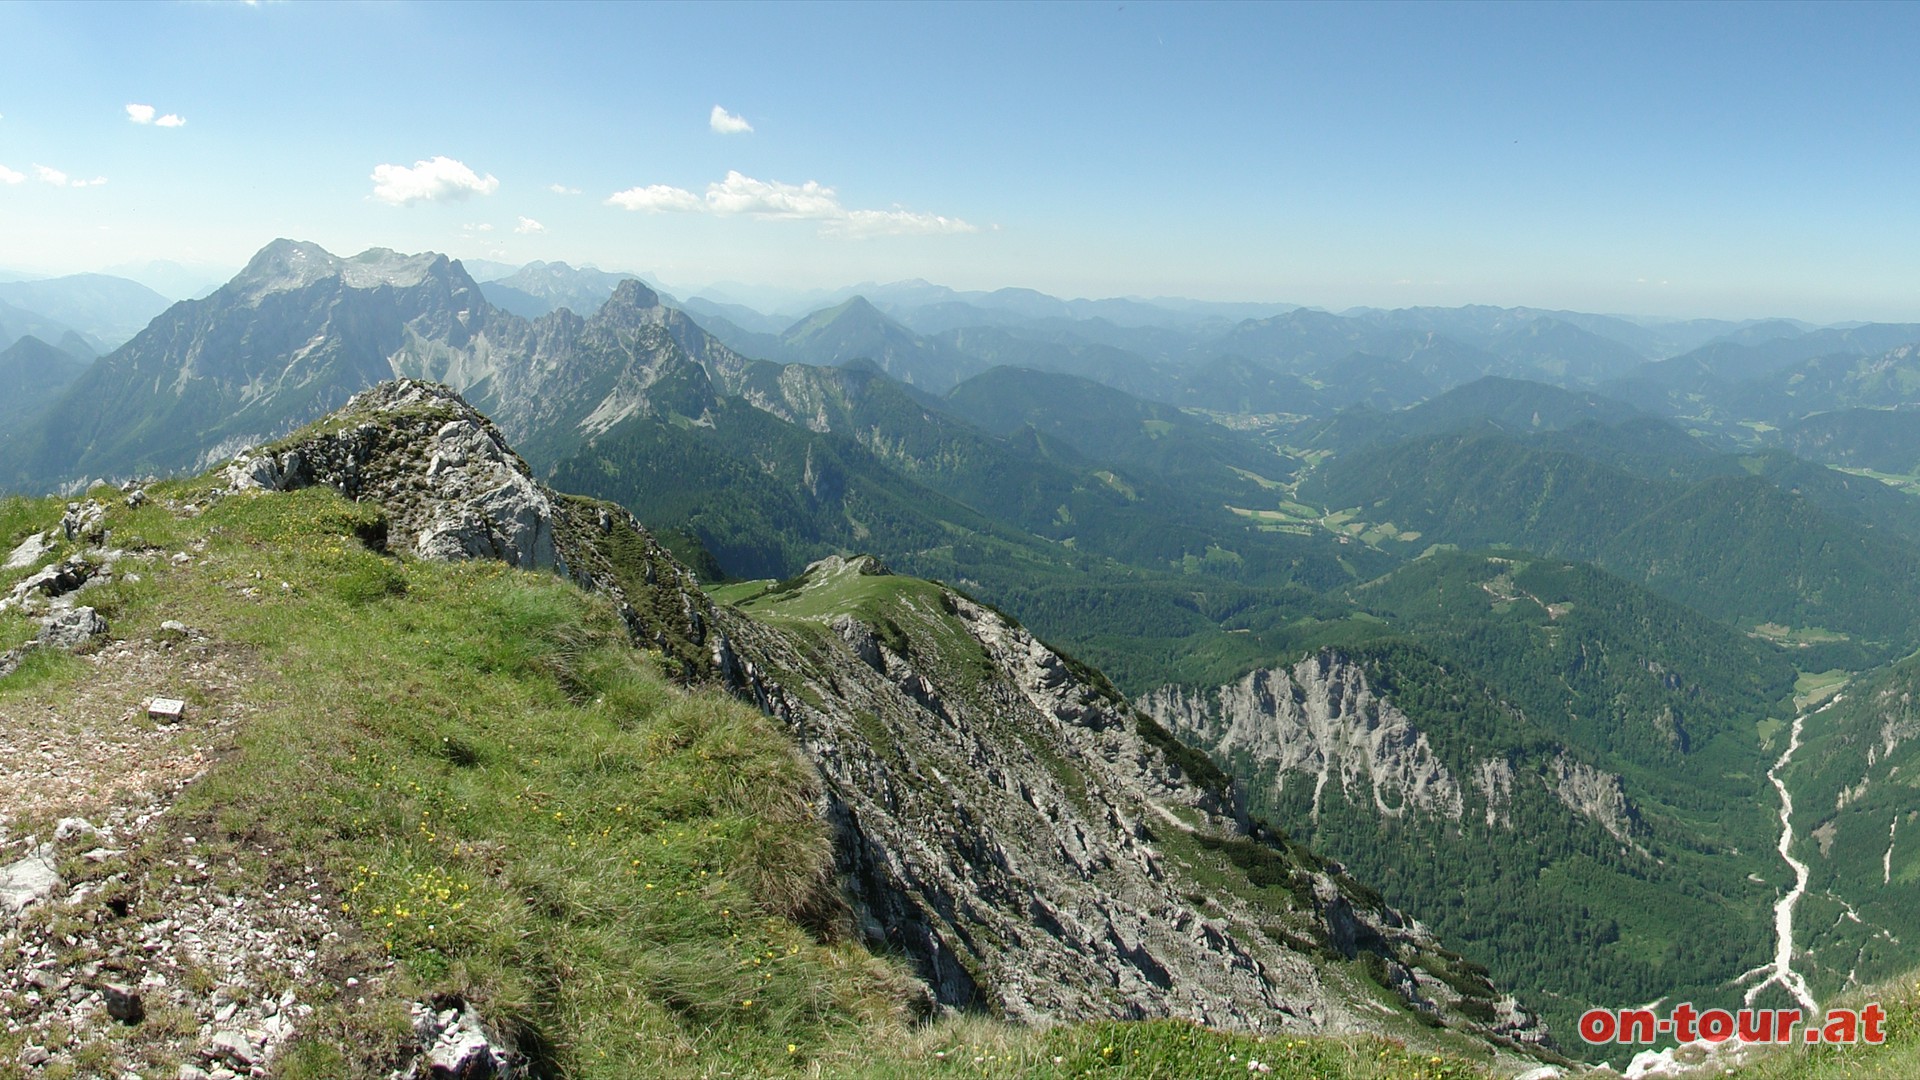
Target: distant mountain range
102	309
538	288
1524	591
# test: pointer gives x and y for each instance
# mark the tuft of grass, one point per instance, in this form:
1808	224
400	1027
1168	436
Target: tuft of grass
20	515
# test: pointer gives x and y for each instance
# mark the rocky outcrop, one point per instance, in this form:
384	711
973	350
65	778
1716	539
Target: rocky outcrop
452	1045
450	487
1321	722
1596	795
29	551
1494	779
1008	820
478	500
1004	819
1318	722
49	594
28	881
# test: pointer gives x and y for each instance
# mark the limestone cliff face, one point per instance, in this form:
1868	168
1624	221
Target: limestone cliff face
1596	795
1004	818
1320	722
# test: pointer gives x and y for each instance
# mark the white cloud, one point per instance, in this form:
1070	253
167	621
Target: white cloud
476	228
862	223
528	225
441	179
740	195
562	189
657	199
726	123
8	176
144	114
53	176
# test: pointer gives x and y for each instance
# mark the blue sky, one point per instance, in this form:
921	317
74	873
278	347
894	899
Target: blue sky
1724	160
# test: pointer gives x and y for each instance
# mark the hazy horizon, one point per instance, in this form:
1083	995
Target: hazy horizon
772	298
1672	161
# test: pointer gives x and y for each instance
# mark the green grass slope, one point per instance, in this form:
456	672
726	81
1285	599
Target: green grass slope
507	803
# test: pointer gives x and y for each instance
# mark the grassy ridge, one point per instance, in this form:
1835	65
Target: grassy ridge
515	807
520	808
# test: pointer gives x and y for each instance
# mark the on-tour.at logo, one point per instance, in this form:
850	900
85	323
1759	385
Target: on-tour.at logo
1687	1024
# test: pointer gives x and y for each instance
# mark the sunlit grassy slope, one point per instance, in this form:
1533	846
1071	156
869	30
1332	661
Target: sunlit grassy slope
517	807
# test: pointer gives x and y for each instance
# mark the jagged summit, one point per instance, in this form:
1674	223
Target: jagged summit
629	297
286	265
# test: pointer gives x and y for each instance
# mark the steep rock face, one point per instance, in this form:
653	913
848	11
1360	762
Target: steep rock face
1321	722
1318	721
1596	795
1004	818
1463	811
570	378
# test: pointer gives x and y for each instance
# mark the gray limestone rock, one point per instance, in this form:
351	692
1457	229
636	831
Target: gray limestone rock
228	1046
73	828
478	500
71	628
59	579
28	881
454	1046
30	551
84	520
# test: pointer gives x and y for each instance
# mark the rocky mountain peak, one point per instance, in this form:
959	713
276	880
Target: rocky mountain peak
288	265
285	264
631	295
859	307
381	266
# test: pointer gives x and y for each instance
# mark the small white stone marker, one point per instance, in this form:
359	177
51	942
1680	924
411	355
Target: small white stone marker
166	710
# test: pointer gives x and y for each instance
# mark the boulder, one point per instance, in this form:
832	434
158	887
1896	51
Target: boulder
123	1003
59	579
71	628
30	551
455	1046
28	881
84	521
